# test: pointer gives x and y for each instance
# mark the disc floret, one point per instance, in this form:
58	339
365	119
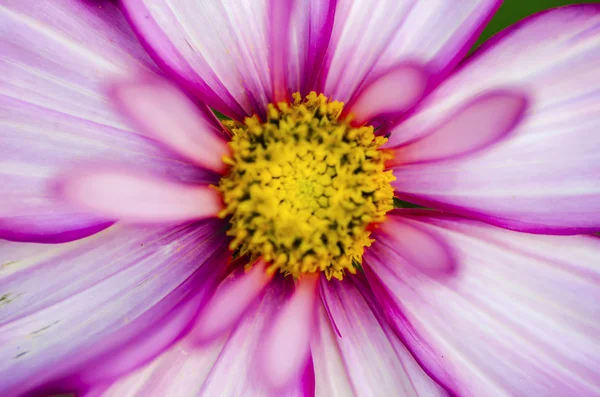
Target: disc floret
305	187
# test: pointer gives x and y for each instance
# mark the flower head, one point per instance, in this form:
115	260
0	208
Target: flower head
261	255
304	186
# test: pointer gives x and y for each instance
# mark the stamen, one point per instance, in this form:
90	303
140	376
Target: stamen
304	187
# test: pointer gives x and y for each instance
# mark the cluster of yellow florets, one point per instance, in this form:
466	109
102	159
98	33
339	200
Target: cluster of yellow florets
304	186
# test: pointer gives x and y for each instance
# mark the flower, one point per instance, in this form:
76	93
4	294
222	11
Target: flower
429	302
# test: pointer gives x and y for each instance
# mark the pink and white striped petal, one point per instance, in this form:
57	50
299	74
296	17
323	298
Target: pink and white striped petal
120	194
165	113
219	51
482	122
519	316
376	361
93	309
389	95
54	114
545	177
230	301
371	38
226	367
299	33
286	349
437	34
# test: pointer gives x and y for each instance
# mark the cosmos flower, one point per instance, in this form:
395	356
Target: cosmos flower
151	250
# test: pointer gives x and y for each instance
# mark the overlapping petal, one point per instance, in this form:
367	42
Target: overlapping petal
519	316
138	197
219	50
165	113
298	36
331	377
238	57
103	305
223	368
56	58
545	178
376	361
371	38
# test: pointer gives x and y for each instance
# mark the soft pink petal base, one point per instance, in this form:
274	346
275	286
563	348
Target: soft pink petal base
168	115
390	95
286	349
230	301
481	123
119	194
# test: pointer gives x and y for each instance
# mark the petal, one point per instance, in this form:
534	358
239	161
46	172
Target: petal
376	361
437	33
119	194
56	57
218	51
420	248
223	368
331	377
230	301
372	38
390	95
168	115
544	179
484	121
286	349
299	35
518	317
96	308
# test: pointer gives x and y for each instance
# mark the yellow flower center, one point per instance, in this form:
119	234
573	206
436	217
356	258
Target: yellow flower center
304	187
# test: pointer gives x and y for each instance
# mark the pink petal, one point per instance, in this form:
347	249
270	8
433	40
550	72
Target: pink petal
168	115
483	122
331	377
219	51
420	248
371	38
286	349
56	58
438	34
545	178
390	95
298	37
223	368
141	198
518	317
93	309
376	361
230	302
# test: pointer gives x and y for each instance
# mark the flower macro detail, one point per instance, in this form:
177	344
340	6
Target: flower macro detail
304	187
149	249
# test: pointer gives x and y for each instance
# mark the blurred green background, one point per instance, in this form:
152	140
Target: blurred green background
512	11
